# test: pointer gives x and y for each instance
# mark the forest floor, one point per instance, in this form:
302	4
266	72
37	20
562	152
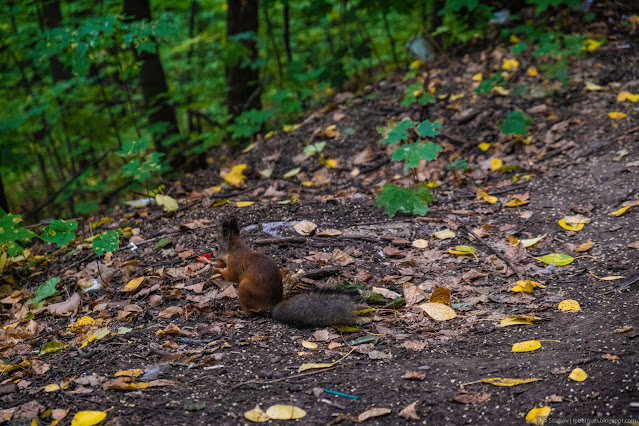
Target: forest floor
207	362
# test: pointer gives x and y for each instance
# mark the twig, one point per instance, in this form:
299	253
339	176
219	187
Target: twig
294	376
279	240
495	252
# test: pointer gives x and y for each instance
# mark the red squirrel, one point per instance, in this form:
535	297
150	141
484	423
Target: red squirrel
261	290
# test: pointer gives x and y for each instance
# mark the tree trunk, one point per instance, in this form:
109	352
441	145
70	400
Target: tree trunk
243	81
4	204
52	17
154	88
287	36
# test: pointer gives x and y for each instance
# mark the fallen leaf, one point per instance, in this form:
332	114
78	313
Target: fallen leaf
569	305
585	246
527	346
235	177
557	258
526	286
617	115
341	258
472	398
88	418
438	311
440	295
578	375
444	234
133	284
420	243
65	308
305	227
169	204
538	416
256	415
170	311
373	412
285	412
516	320
312	366
309	345
495	164
499	381
410	411
414	375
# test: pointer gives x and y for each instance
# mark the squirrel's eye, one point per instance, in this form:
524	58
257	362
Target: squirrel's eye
216	248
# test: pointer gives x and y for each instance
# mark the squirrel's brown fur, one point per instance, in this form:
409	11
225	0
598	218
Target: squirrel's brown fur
261	290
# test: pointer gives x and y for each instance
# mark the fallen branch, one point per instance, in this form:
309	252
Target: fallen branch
495	252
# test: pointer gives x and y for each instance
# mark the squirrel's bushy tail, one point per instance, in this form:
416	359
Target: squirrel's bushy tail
316	309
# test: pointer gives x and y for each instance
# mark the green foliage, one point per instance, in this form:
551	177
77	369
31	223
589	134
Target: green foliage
542	5
460	165
413	154
108	241
59	232
488	85
408	200
463	20
397	132
426	129
411	93
141	171
249	122
314	148
515	122
134	147
11	234
45	290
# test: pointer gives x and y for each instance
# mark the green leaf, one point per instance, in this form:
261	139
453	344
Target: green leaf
412	154
515	122
426	129
47	289
131	148
559	259
409	200
519	47
397	132
10	233
426	98
142	171
162	243
459	164
52	347
314	148
108	241
59	232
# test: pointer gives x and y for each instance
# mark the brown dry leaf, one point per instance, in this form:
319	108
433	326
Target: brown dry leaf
228	293
29	410
440	295
388	294
185	254
39	367
162	382
472	398
413	294
305	227
414	345
341	258
323	335
330	232
585	246
391	251
414	375
197	224
124	383
410	411
65	308
363	157
373	412
170	311
634	245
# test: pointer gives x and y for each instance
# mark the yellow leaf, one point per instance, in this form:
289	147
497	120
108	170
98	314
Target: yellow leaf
531	241
627	96
516	320
285	412
571	227
585	246
510	64
330	163
462	250
244	203
266	173
558	259
346	329
527	346
438	311
249	148
485	146
455	97
513	39
416	64
578	375
444	234
498	381
135	372
53	387
592	86
615	115
269	134
81	322
170	204
420	243
88	418
612	278
133	284
309	345
569	305
496	164
236	176
312	366
532	71
590	45
526	286
290	127
307	183
538	416
257	415
622	211
292	173
500	90
478	77
432	184
484	195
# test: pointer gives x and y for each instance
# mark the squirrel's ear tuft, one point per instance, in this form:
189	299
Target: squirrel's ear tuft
233	226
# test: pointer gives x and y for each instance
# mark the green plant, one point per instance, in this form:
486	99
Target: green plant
11	234
45	290
396	198
415	93
108	241
59	232
463	20
515	123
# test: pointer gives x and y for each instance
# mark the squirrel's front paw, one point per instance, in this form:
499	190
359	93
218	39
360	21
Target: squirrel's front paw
219	263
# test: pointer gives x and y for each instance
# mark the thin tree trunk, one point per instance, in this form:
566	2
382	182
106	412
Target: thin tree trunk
154	88
276	50
243	80
287	36
4	204
390	37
